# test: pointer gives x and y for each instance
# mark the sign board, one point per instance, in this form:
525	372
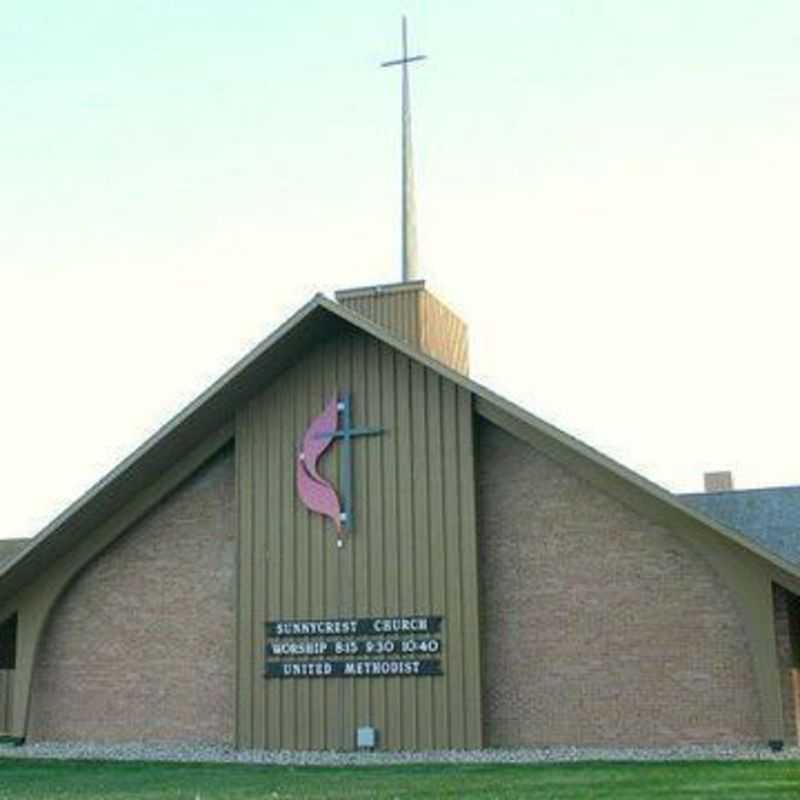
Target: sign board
391	647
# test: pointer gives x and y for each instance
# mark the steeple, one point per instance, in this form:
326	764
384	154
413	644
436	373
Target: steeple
408	233
407	309
416	316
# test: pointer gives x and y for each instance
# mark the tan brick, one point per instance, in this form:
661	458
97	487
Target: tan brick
598	626
141	645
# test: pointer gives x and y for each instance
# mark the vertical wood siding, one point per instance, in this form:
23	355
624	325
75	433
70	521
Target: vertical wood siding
419	319
398	312
6	698
412	550
443	334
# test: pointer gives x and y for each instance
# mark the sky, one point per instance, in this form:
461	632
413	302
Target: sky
606	192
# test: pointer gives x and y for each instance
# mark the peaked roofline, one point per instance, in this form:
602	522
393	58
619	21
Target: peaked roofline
214	407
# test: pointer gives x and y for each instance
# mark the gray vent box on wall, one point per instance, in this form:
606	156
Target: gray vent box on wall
366	738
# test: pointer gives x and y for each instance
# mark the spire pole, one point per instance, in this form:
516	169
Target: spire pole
408	233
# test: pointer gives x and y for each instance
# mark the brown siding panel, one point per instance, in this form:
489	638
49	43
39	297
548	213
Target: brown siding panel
6	689
402	556
418	318
244	678
443	334
396	311
787	635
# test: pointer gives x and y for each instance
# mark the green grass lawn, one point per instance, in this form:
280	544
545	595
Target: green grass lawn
27	779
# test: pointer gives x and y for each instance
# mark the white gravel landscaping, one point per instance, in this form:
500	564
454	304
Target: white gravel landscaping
200	753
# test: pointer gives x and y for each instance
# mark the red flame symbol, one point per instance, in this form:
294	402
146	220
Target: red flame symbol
315	492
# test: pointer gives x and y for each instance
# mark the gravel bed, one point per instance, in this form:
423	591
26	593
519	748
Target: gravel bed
141	751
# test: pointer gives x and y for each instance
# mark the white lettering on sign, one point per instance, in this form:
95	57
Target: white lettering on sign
329	648
401	625
317	648
356	668
317	628
306	669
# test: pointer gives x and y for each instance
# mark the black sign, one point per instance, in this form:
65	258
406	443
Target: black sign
390	668
352	647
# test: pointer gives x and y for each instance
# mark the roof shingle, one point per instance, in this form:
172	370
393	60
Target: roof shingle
770	517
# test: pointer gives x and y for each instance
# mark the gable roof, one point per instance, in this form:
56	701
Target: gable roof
216	407
769	516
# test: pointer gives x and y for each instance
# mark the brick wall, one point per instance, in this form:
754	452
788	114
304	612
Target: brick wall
598	626
141	646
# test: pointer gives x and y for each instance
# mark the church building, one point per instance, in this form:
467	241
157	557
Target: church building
346	540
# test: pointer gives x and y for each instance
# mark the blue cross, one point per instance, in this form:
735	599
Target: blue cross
347	433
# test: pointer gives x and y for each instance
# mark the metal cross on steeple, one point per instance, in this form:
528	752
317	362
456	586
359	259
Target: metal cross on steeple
409	232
